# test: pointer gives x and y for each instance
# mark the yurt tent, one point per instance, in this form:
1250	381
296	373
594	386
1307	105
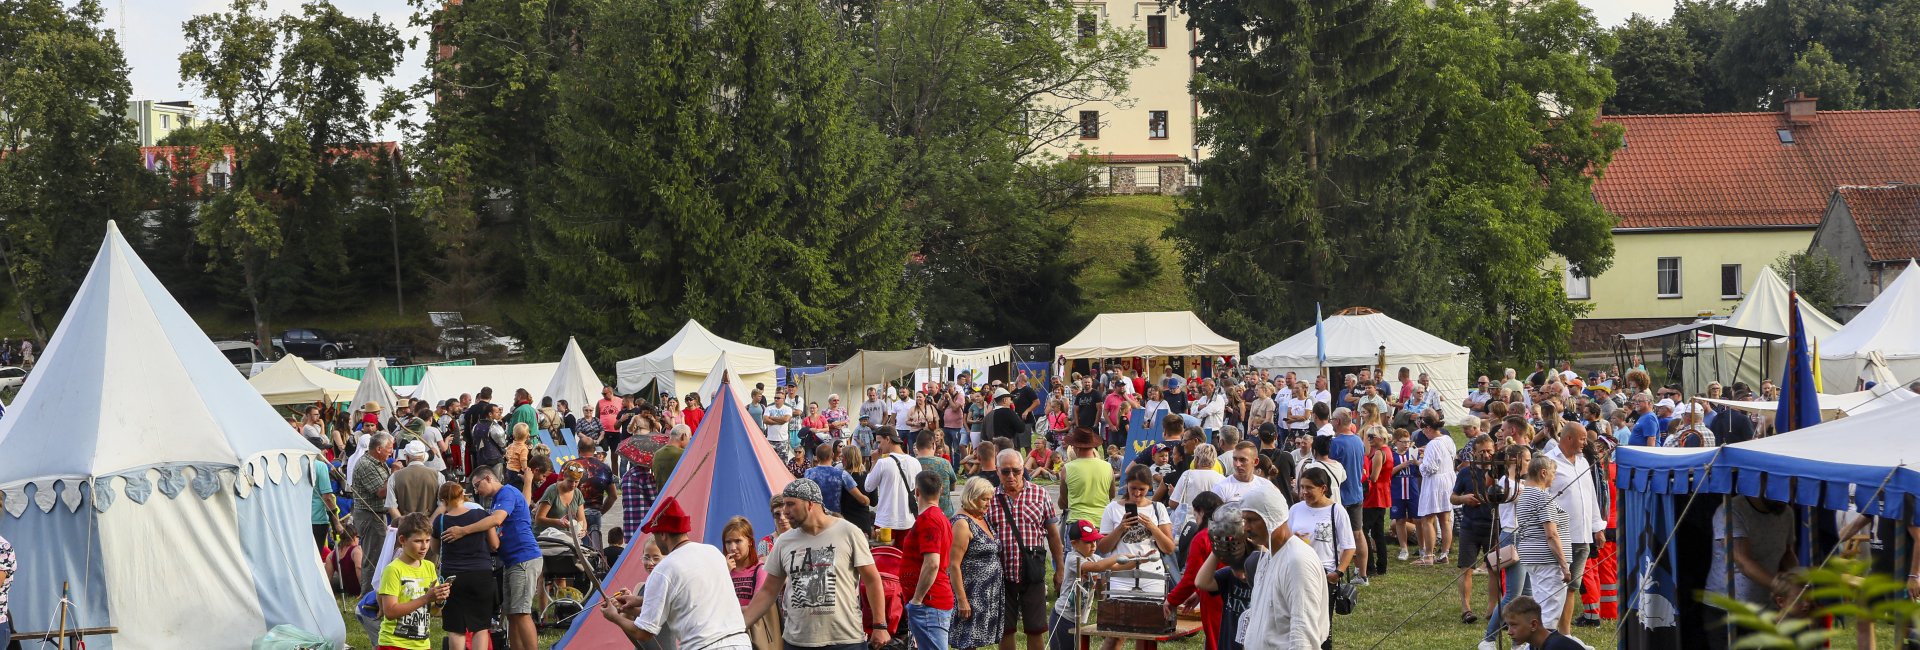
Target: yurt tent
728	469
444	382
1890	325
682	363
373	388
1147	334
574	381
140	470
872	367
292	380
1355	337
1765	310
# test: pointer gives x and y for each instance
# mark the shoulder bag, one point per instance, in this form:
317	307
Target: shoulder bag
1345	594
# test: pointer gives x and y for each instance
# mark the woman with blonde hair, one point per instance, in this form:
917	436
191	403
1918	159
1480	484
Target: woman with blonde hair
851	509
671	412
973	565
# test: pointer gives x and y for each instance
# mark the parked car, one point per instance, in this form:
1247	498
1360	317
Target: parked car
12	377
312	344
242	354
474	340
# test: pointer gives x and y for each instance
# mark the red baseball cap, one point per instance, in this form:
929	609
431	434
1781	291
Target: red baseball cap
1084	530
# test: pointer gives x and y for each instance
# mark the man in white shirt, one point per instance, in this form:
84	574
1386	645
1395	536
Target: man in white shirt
899	410
1574	492
688	595
873	408
1320	393
775	419
888	479
1238	484
1289	609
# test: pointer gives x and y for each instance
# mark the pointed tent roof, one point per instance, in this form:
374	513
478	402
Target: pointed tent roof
126	350
1889	325
574	380
373	388
1147	334
1764	309
292	380
692	349
443	382
728	469
1355	340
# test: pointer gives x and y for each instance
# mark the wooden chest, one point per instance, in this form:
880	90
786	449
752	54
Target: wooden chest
1140	615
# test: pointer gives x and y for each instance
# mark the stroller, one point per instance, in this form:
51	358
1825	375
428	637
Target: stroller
888	561
565	568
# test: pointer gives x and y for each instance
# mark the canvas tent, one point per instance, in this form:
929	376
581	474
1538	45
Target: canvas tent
444	382
1890	326
1355	339
292	380
728	469
872	367
683	362
1764	310
1833	405
373	388
186	530
1147	334
574	381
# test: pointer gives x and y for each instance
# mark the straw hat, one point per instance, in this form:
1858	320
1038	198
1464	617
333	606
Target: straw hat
370	407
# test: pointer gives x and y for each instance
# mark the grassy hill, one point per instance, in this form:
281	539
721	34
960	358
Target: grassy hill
1104	231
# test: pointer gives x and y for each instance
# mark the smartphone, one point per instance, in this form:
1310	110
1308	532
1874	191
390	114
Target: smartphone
1133	510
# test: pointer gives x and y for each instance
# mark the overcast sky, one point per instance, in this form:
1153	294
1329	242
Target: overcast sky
153	39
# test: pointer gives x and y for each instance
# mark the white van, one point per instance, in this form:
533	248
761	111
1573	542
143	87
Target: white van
244	355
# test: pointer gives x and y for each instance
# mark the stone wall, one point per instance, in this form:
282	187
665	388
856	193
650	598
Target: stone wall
1120	180
1173	179
1597	334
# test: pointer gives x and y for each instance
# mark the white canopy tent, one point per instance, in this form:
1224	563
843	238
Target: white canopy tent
1147	334
1355	339
873	367
150	486
1831	405
373	388
574	380
292	380
1890	326
1765	310
443	382
682	363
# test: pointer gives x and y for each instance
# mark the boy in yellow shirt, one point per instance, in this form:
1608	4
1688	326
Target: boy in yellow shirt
407	586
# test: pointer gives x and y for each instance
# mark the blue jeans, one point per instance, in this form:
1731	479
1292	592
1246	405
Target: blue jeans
1516	585
928	626
955	435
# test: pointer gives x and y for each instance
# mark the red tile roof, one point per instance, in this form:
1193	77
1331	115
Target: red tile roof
1135	158
1730	170
1888	217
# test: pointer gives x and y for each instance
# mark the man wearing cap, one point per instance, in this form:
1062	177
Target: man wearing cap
1289	606
889	478
414	488
820	566
1023	520
1005	421
518	551
689	594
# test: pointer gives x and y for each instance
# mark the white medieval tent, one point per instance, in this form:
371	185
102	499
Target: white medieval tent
292	380
1890	326
373	388
145	474
683	362
1763	310
574	381
1354	337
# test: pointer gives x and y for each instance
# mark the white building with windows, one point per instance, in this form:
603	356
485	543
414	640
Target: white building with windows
1147	138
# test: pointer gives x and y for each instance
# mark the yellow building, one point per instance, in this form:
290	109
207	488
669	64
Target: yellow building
1147	138
1705	200
154	120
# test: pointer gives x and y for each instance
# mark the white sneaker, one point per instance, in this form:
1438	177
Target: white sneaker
1403	554
1489	645
1441	559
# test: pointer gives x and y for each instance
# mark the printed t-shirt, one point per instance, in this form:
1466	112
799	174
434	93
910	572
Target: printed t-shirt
822	599
406	582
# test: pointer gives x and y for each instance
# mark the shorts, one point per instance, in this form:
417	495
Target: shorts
1026	604
1474	544
471	602
523	581
1356	519
1060	633
1405	509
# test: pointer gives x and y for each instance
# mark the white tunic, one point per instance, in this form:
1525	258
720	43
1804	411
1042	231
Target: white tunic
1437	475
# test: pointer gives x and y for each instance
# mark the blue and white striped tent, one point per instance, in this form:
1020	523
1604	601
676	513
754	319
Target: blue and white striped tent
141	470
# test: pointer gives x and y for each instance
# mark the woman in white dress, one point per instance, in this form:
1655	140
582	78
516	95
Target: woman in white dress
1200	477
1436	484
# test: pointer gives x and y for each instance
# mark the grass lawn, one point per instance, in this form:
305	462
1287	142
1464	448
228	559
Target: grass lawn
357	637
1104	231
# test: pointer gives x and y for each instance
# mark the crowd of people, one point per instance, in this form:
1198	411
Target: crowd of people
1266	503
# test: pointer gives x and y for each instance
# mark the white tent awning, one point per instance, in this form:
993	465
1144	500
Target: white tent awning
869	367
684	360
1357	339
1147	334
443	382
292	380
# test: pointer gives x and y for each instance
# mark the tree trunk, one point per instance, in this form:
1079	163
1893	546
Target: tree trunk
261	337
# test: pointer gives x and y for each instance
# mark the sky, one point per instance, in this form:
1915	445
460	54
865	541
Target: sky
153	39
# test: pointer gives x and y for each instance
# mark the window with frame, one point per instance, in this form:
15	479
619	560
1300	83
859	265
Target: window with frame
1156	31
1089	25
1730	281
1667	277
1157	125
1578	287
1089	125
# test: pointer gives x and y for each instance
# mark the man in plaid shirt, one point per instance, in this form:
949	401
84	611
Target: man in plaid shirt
1021	512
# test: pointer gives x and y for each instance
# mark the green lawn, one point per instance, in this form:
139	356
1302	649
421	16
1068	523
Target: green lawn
357	637
1104	231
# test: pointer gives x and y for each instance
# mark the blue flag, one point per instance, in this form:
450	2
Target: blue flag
1799	399
1320	334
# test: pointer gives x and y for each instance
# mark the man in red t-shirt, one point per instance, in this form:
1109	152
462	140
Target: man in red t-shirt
930	610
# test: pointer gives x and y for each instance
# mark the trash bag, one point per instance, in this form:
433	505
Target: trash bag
288	637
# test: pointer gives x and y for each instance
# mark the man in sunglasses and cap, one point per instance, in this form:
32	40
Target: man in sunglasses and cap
817	570
689	593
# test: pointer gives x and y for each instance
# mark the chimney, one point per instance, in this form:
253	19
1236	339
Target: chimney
1801	109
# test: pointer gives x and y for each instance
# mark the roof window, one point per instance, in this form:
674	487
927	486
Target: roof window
1786	136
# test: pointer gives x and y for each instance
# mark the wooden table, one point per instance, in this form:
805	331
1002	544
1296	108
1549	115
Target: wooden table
1183	627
